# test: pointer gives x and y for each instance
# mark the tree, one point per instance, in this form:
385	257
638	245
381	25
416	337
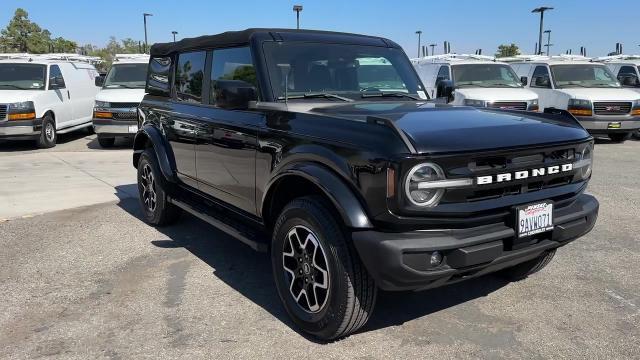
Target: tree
23	35
508	50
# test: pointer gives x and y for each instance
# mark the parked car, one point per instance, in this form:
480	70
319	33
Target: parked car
586	89
627	69
275	137
42	96
478	80
115	114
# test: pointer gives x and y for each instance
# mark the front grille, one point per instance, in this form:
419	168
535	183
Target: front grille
612	108
125	116
509	105
123	105
3	112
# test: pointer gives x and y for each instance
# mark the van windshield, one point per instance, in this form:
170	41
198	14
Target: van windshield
22	76
339	71
583	75
484	75
130	76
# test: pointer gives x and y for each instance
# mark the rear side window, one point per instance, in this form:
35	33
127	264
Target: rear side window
443	73
56	74
540	77
627	71
159	74
190	76
234	64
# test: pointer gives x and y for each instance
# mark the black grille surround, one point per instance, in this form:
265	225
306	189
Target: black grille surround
123	105
3	112
612	108
508	105
125	115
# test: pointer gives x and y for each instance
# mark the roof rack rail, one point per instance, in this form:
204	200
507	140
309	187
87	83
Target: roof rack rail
120	57
616	57
562	57
453	57
55	56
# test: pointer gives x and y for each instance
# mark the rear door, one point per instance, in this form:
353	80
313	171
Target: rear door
60	97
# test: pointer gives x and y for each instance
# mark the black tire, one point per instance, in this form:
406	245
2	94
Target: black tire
636	134
619	137
156	210
349	298
523	270
48	135
106	142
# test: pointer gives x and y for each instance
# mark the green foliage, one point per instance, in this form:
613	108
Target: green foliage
23	35
113	47
245	73
508	50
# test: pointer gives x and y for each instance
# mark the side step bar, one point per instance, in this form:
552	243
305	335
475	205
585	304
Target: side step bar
247	237
74	128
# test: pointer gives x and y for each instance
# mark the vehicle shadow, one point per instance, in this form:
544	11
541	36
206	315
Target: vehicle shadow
120	144
30	145
249	273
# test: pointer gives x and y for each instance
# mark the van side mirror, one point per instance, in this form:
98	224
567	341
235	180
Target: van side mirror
445	90
524	81
542	81
628	80
99	80
56	82
234	94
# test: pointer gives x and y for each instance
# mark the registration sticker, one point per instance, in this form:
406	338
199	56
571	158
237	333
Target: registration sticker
133	129
534	218
614	125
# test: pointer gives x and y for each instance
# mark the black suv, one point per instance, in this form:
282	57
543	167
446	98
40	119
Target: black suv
322	149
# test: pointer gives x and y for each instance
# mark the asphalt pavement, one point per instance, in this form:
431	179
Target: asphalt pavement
86	278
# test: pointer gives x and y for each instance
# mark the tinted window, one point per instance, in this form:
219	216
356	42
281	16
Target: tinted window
541	78
22	76
159	72
232	64
627	71
190	76
443	73
127	76
54	72
583	75
484	75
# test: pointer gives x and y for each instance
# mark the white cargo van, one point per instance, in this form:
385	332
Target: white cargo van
587	89
45	95
477	80
626	68
115	114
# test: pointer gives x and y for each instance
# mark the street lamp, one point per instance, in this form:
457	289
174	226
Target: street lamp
146	44
174	35
433	48
541	10
297	9
548	46
419	32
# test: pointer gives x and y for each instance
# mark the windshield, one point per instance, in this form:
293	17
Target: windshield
131	76
485	75
583	75
349	71
22	76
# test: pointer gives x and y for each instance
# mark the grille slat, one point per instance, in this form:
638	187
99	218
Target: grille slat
123	105
612	108
3	112
510	105
125	116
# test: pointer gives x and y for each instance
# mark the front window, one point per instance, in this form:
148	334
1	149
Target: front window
583	75
130	76
348	71
485	75
22	76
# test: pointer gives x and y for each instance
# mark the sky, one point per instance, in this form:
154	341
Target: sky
468	25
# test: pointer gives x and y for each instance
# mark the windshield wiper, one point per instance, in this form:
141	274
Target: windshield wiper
14	86
389	94
316	95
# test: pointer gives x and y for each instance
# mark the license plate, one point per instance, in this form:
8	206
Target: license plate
133	129
614	125
534	218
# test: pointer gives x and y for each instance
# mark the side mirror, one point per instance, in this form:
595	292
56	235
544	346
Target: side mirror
234	94
56	82
630	81
445	90
524	81
542	81
99	80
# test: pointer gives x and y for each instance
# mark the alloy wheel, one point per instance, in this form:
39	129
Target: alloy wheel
49	132
148	184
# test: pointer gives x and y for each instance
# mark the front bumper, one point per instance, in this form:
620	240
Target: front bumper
602	124
111	127
400	261
20	129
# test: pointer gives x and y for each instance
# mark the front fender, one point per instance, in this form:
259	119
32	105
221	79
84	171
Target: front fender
149	135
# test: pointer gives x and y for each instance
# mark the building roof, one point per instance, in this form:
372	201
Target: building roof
243	37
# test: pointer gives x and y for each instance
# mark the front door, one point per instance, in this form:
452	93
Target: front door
541	85
60	98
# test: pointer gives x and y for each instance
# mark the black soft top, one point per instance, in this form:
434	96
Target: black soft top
243	37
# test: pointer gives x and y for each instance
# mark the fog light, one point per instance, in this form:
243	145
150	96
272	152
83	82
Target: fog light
436	258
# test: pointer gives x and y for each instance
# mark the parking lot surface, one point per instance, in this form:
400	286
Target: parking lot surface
91	280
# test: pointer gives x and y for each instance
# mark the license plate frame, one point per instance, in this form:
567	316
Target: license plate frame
133	129
534	218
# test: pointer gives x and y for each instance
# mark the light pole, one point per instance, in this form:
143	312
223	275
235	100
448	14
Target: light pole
541	10
433	46
174	35
419	32
144	17
548	46
297	9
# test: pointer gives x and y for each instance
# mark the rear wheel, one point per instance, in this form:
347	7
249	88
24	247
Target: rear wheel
48	135
636	134
619	137
106	142
523	270
320	279
156	210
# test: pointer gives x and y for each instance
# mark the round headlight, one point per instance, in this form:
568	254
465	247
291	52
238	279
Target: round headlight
587	158
423	196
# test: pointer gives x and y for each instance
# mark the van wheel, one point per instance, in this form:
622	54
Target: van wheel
619	137
636	134
106	142
523	270
48	135
156	210
320	279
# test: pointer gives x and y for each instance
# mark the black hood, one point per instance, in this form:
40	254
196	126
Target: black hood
436	128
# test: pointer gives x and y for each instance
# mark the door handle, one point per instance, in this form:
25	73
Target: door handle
68	95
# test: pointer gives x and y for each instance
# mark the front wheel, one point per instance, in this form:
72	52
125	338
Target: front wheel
48	135
619	137
156	209
321	281
106	142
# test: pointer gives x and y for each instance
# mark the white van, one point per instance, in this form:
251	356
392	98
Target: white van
478	81
45	95
588	90
115	113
